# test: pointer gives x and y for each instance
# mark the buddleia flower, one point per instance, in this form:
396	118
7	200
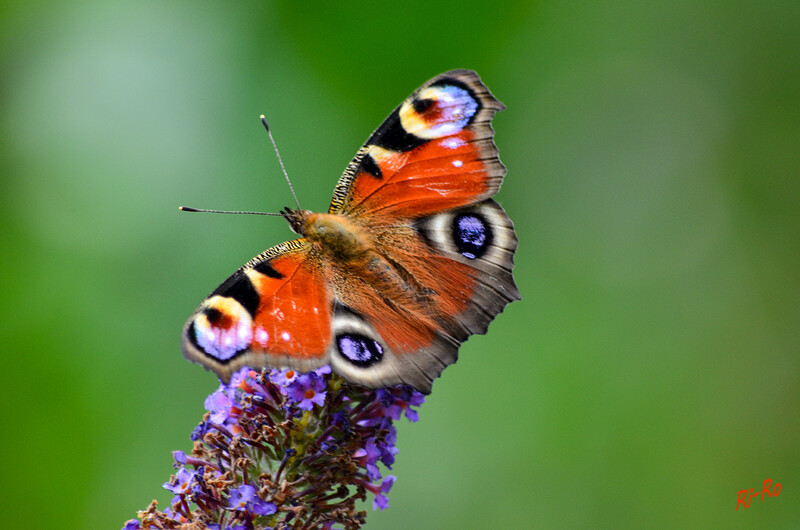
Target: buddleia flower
279	449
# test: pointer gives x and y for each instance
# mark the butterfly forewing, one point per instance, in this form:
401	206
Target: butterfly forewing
434	152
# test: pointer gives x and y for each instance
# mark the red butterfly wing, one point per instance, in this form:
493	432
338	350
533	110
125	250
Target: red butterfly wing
434	152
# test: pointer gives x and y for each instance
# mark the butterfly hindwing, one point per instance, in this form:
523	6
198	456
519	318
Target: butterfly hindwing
480	238
455	273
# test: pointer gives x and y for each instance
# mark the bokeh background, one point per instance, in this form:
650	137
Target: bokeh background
650	373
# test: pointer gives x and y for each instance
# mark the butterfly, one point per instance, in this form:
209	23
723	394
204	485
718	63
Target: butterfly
412	257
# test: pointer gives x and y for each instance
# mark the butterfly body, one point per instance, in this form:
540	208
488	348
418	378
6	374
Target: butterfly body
412	257
336	236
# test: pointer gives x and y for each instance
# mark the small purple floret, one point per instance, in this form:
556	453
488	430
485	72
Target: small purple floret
244	498
183	482
219	404
308	390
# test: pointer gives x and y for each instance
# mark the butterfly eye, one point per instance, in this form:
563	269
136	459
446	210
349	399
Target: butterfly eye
358	349
472	235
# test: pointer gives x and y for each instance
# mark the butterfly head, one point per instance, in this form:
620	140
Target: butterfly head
295	218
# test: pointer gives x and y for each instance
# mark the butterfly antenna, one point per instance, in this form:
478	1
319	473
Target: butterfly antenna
278	153
189	209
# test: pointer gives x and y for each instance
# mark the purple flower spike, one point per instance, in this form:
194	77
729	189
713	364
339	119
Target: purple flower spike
132	524
262	507
219	404
281	449
387	483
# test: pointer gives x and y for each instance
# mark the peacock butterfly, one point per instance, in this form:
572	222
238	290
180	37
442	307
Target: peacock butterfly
411	259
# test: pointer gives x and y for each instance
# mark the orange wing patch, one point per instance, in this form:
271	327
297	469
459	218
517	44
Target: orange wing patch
404	328
293	317
409	312
439	175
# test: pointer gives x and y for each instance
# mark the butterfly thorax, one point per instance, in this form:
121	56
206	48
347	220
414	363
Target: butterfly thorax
335	236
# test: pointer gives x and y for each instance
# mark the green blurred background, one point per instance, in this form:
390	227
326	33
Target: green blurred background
650	373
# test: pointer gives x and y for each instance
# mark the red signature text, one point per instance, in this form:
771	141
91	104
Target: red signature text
746	496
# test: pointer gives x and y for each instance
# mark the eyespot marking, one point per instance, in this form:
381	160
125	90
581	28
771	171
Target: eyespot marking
213	315
439	110
393	136
262	336
223	329
452	143
360	350
472	235
421	105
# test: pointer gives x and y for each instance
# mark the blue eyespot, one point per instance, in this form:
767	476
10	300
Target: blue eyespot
472	235
358	349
